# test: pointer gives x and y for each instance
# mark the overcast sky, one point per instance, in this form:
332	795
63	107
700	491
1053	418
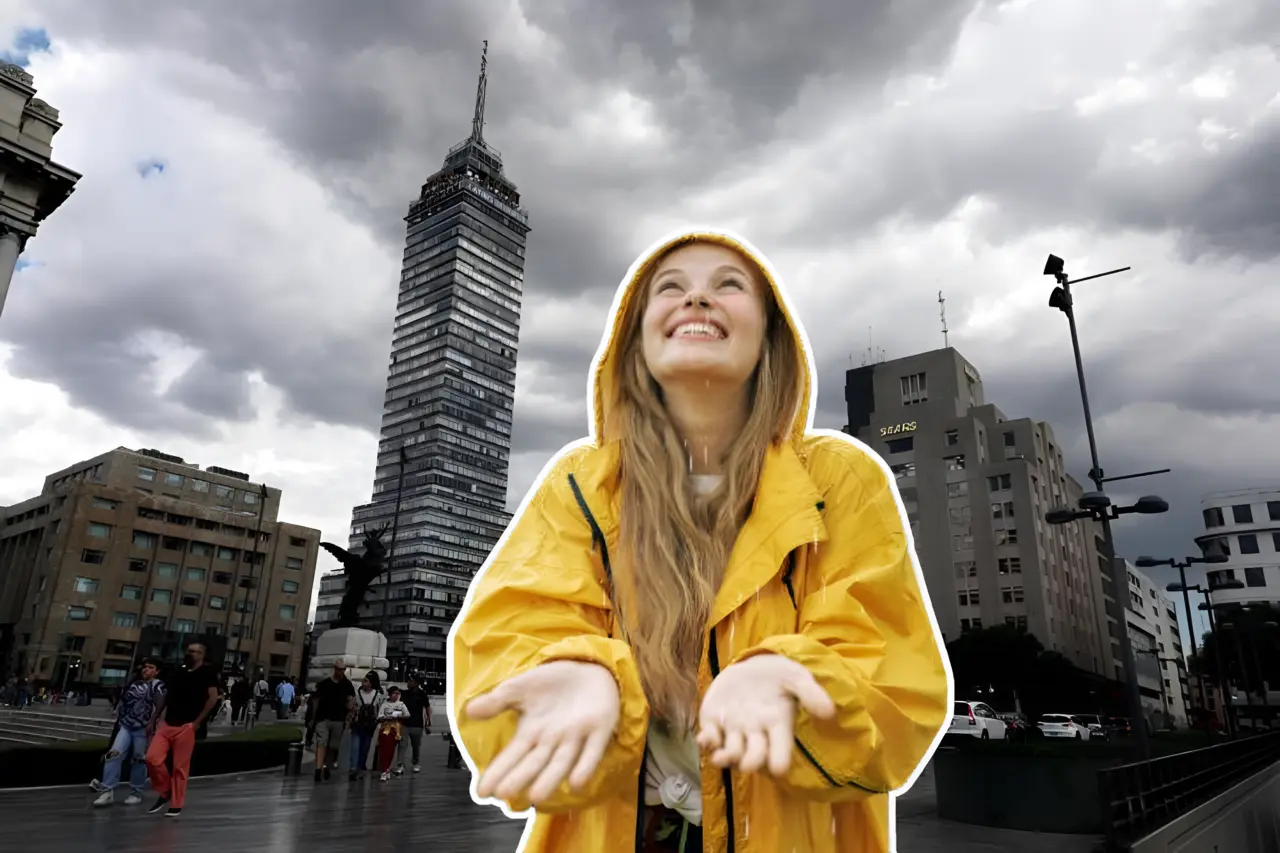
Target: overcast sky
221	285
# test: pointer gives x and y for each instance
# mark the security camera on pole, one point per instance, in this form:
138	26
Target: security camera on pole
1097	505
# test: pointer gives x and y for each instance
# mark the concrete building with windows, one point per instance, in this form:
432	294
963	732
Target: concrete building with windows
440	485
1244	525
1160	663
976	485
135	553
32	186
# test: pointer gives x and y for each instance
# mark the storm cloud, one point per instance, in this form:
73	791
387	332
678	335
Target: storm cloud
879	152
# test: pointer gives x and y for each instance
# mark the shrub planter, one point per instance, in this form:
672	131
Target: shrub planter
1026	788
37	766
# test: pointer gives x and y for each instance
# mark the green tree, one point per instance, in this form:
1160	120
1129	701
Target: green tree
1253	631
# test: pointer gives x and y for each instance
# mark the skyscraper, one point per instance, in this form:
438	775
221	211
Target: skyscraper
440	486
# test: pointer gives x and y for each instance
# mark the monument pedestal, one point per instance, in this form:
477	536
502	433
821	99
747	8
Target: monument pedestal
360	649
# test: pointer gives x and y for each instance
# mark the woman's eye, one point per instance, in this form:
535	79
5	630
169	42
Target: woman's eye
731	282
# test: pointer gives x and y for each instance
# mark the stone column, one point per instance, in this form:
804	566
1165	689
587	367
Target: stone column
10	247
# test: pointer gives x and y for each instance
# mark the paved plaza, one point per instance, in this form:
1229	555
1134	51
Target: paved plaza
269	813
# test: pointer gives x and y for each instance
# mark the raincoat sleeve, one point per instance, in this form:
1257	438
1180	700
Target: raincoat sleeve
865	634
541	599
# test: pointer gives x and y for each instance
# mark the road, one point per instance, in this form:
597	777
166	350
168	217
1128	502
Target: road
269	813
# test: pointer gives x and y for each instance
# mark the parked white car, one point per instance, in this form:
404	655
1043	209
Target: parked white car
1063	726
976	719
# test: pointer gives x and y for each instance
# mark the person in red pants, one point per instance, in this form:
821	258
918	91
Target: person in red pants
391	719
192	694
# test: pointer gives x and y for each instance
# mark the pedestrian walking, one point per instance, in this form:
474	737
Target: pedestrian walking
139	707
261	696
418	723
391	720
241	693
284	699
189	698
335	703
369	699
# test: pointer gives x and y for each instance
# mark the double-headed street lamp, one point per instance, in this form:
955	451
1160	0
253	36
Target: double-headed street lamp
1208	607
1181	586
1096	504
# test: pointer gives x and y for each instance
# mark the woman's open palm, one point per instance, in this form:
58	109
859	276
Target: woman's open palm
747	719
568	712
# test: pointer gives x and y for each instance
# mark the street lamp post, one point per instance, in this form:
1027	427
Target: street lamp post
1096	504
1208	606
1181	586
391	549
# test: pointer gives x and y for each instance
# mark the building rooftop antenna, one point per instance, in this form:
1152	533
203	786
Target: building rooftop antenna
942	310
477	120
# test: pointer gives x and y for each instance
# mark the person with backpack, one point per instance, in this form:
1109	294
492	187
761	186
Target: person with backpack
369	699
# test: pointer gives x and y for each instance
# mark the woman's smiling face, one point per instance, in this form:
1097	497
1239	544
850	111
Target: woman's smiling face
705	318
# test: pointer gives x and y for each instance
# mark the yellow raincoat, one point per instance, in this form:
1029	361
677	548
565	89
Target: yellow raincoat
823	572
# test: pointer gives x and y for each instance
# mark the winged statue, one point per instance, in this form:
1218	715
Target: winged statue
361	571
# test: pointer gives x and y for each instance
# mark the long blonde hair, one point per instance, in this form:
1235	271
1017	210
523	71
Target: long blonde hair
675	548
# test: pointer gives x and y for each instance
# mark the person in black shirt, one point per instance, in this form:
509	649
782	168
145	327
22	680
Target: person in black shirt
335	700
191	694
419	720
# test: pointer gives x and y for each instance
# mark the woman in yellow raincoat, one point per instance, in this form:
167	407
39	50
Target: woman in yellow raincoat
706	628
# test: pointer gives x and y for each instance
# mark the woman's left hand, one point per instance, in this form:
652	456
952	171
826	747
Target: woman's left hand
748	715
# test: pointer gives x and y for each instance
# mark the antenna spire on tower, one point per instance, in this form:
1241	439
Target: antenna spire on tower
477	121
942	310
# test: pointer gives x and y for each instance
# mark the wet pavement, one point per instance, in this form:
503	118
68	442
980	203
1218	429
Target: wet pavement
271	813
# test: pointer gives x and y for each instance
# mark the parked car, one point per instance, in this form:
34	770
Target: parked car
1060	726
976	719
1119	726
1099	727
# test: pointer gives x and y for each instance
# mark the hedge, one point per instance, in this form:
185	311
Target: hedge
79	763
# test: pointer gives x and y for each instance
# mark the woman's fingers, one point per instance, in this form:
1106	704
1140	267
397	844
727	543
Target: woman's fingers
780	748
731	752
756	752
499	699
501	766
523	774
589	759
557	768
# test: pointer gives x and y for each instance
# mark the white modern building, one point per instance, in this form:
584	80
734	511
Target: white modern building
1244	524
1157	649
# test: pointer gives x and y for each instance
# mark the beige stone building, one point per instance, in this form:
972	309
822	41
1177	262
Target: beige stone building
32	186
135	553
976	485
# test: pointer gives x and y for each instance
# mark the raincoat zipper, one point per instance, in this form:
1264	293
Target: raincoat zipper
598	540
713	656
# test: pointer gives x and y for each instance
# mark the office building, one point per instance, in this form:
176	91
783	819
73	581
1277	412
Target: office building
440	486
1244	525
134	553
32	186
1203	690
976	486
1159	661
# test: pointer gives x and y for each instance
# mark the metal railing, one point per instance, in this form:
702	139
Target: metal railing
1141	797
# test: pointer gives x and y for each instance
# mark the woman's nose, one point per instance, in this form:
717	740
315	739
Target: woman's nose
697	298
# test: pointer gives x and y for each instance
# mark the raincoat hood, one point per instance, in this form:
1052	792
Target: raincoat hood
601	390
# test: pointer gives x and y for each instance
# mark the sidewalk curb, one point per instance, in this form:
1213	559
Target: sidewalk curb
85	785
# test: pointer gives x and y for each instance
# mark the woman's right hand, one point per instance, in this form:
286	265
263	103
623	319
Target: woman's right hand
568	713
